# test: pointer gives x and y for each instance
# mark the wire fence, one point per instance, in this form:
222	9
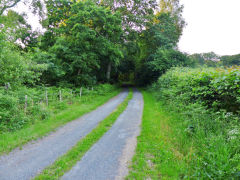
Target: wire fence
30	97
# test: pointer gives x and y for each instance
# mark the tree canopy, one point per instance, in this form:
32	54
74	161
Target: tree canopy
91	41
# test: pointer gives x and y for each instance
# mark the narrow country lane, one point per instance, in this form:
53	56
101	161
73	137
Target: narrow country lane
109	158
34	157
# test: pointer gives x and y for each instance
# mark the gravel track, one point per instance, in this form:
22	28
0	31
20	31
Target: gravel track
110	156
26	163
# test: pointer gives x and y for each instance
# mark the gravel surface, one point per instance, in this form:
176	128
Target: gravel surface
26	163
110	156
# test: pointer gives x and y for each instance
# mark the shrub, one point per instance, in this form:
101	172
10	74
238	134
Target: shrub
207	100
215	88
12	102
11	117
16	68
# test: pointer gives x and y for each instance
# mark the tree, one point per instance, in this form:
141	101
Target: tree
7	4
233	60
15	67
134	13
36	5
15	24
208	59
175	9
18	30
162	34
164	59
159	63
87	42
211	56
157	44
197	59
57	12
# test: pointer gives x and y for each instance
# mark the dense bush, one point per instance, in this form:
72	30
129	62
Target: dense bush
12	103
207	101
10	115
15	67
215	88
14	115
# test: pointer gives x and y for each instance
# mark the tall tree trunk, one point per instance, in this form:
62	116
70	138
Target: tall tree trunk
109	71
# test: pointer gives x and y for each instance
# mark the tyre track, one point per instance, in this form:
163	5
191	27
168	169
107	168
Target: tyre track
110	156
34	157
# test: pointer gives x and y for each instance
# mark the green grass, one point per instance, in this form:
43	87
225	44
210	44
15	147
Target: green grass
161	151
205	104
11	140
67	161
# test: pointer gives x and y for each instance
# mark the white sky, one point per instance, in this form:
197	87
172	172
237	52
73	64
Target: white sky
32	19
213	25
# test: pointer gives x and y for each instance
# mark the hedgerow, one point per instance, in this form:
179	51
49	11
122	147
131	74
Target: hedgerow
22	106
207	101
215	88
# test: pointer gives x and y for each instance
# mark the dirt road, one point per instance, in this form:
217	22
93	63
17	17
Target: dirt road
110	156
26	163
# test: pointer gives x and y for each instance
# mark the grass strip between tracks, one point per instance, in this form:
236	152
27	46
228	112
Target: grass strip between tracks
67	161
159	154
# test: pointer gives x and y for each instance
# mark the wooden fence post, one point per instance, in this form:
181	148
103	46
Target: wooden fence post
25	106
46	97
7	86
60	96
80	92
71	95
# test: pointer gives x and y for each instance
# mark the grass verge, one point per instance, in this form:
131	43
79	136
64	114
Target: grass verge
11	140
159	153
67	161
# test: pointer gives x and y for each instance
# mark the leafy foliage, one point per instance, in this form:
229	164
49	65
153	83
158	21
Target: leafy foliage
229	61
6	4
207	103
159	63
213	60
14	116
35	5
206	59
16	68
175	9
89	41
158	43
217	89
10	115
18	31
135	14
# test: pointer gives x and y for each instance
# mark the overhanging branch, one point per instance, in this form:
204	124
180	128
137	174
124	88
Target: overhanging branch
9	6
